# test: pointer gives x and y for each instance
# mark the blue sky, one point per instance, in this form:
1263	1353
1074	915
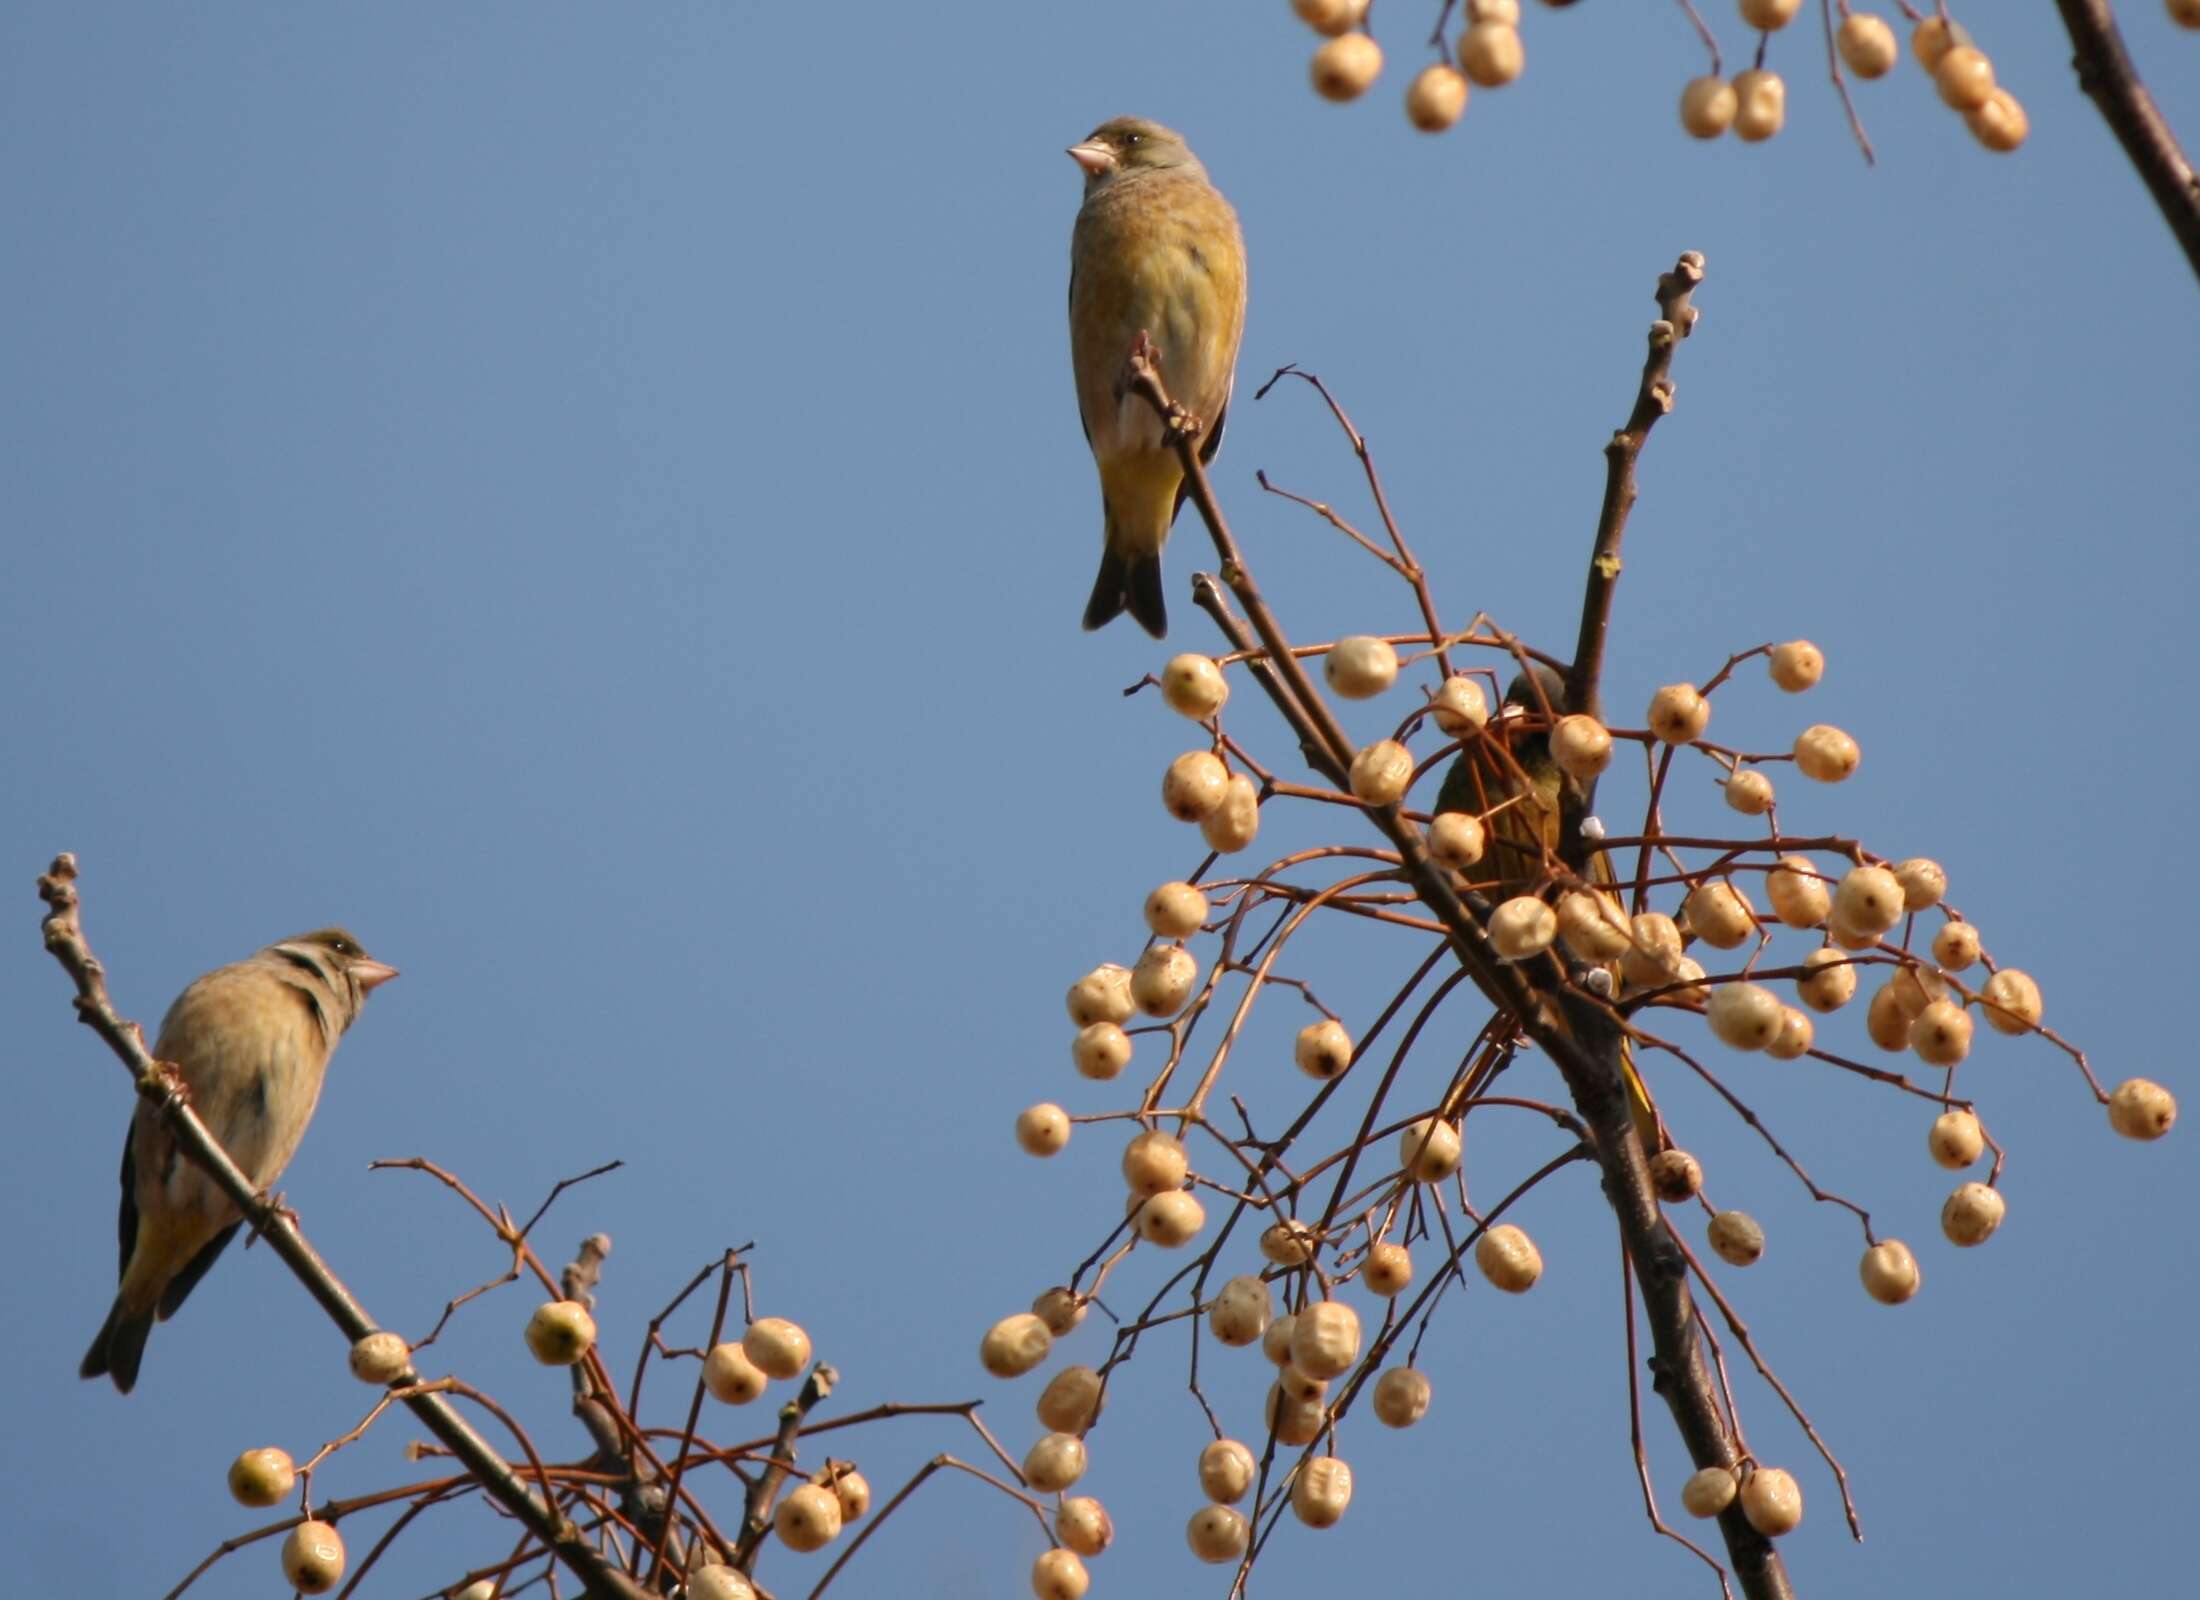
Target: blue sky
591	498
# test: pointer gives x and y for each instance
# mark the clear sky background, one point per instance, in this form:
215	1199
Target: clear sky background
591	498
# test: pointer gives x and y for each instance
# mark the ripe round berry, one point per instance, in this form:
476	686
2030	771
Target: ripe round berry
1679	713
1163	980
1523	926
1321	1492
1932	39
1325	1339
1490	53
1885	1022
1736	1237
715	1581
1720	915
1084	1525
1381	771
1772	1501
1868	45
1217	1534
1972	1213
1709	1492
1708	105
1295	1419
1101	995
1593	925
1796	1035
1825	754
1456	839
1330	17
1323	1049
1964	77
2185	13
1171	1220
1766	15
1058	1574
1195	786
1071	1400
1868	899
1581	745
1505	11
262	1478
730	1376
1226	1471
1436	98
1508	1258
1234	826
1749	792
1798	894
1675	1175
1388	1269
1194	686
560	1333
2001	124
1956	946
1890	1272
778	1347
1360	666
1401	1397
1344	68
2013	1003
1760	104
808	1518
1240	1311
1289	1243
1014	1345
1941	1035
380	1358
1459	706
1100	1051
1155	1162
1744	1015
2141	1109
1054	1462
313	1557
1176	910
1692	992
1043	1129
1923	882
1654	951
1428	1150
1955	1139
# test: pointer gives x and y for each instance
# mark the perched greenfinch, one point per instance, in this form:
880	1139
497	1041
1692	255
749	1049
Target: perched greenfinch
251	1042
1521	835
1155	256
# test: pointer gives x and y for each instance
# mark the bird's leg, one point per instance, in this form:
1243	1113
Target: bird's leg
1143	349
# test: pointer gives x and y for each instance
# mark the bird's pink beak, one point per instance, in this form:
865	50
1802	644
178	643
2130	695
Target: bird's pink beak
1093	156
372	974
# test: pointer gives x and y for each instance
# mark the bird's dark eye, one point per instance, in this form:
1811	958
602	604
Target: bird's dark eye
343	947
1134	138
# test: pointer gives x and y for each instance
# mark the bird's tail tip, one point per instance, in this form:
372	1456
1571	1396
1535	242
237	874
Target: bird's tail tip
1128	583
118	1348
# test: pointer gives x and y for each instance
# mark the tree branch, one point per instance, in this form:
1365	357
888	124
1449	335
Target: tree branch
2107	76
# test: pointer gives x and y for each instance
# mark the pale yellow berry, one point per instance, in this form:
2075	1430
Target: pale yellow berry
1058	1574
1043	1129
2185	13
1886	1024
1890	1272
1325	1339
1523	926
850	1487
1294	1418
1941	1035
1436	98
1071	1400
1796	1035
1868	900
1240	1312
1824	754
1508	1258
1848	938
1708	1492
1653	952
1932	39
1428	1150
1760	111
1491	54
1100	1050
1154	1162
560	1333
1330	17
1387	1270
1234	826
1401	1397
1505	11
2012	1001
1164	979
1217	1534
1956	945
1059	1308
1581	745
1708	105
1381	771
2141	1109
313	1557
1691	991
1593	925
1054	1462
1964	77
1749	792
1459	706
1456	839
1868	45
1972	1213
1675	1175
1679	713
1955	1139
1772	1501
1798	894
1175	910
730	1376
1323	1049
1720	915
777	1346
262	1478
380	1357
1744	1015
1344	68
1321	1492
1195	785
808	1518
1360	666
1923	882
2001	124
1171	1220
1084	1525
1014	1345
1194	686
1736	1237
1768	15
1226	1471
1101	995
1915	988
1289	1243
714	1581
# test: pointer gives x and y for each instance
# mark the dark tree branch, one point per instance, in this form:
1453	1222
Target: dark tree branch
2107	76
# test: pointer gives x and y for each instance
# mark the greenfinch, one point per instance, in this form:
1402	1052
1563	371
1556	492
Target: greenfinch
251	1042
1522	820
1156	257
